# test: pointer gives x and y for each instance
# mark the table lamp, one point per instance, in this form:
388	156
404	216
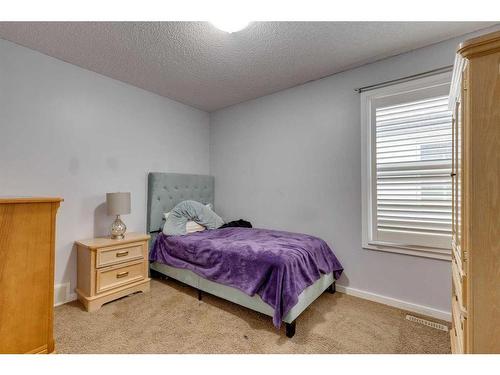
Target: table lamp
118	204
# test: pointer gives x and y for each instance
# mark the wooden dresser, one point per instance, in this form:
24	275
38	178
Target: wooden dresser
110	269
475	102
27	237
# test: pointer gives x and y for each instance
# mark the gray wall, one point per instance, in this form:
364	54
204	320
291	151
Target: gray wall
292	161
69	132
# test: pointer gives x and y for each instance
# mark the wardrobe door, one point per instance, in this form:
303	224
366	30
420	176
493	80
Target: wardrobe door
453	178
458	178
482	203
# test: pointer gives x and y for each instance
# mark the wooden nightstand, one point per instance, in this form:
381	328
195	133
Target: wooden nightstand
110	269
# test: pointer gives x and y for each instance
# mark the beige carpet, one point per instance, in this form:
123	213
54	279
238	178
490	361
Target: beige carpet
170	319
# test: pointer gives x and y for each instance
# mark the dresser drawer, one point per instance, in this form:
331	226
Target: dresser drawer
119	254
459	326
116	276
459	286
459	255
455	345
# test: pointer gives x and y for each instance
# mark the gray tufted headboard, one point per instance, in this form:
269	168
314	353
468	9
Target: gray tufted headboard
165	190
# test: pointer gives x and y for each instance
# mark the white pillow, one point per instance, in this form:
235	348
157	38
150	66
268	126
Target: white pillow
191	226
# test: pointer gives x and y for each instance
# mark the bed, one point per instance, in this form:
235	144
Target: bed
165	190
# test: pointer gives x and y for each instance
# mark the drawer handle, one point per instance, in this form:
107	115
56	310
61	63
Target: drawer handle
121	254
121	274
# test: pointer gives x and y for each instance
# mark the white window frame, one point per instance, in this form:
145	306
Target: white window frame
368	165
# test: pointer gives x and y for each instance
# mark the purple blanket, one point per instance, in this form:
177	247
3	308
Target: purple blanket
276	265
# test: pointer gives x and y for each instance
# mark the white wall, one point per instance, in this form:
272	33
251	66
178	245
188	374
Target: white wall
292	161
69	132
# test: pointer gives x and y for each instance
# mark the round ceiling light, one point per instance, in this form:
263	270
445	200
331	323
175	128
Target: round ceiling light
230	25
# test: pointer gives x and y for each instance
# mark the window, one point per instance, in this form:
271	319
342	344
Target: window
406	164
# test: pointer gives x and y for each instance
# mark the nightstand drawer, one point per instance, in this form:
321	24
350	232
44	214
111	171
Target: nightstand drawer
119	254
114	277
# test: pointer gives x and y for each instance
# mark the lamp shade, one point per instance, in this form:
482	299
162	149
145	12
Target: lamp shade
118	203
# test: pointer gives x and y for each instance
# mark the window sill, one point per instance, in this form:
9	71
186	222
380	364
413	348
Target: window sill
425	252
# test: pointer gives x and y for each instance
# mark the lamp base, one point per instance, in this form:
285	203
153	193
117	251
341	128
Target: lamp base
118	229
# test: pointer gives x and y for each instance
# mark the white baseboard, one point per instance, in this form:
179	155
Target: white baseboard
403	305
63	294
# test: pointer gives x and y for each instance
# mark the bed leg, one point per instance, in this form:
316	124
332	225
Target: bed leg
332	289
156	275
290	329
200	295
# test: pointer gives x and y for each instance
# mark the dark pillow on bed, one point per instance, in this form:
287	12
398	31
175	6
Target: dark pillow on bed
238	224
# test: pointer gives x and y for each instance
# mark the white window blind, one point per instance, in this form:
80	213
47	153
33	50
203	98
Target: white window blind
413	162
407	133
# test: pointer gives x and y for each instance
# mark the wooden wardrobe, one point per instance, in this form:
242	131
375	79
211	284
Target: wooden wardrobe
27	236
475	102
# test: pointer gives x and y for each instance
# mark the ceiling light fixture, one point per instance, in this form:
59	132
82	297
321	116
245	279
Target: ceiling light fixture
230	25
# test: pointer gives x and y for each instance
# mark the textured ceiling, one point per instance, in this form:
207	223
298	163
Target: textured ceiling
196	64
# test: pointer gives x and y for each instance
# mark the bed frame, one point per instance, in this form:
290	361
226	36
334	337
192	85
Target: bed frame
165	190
